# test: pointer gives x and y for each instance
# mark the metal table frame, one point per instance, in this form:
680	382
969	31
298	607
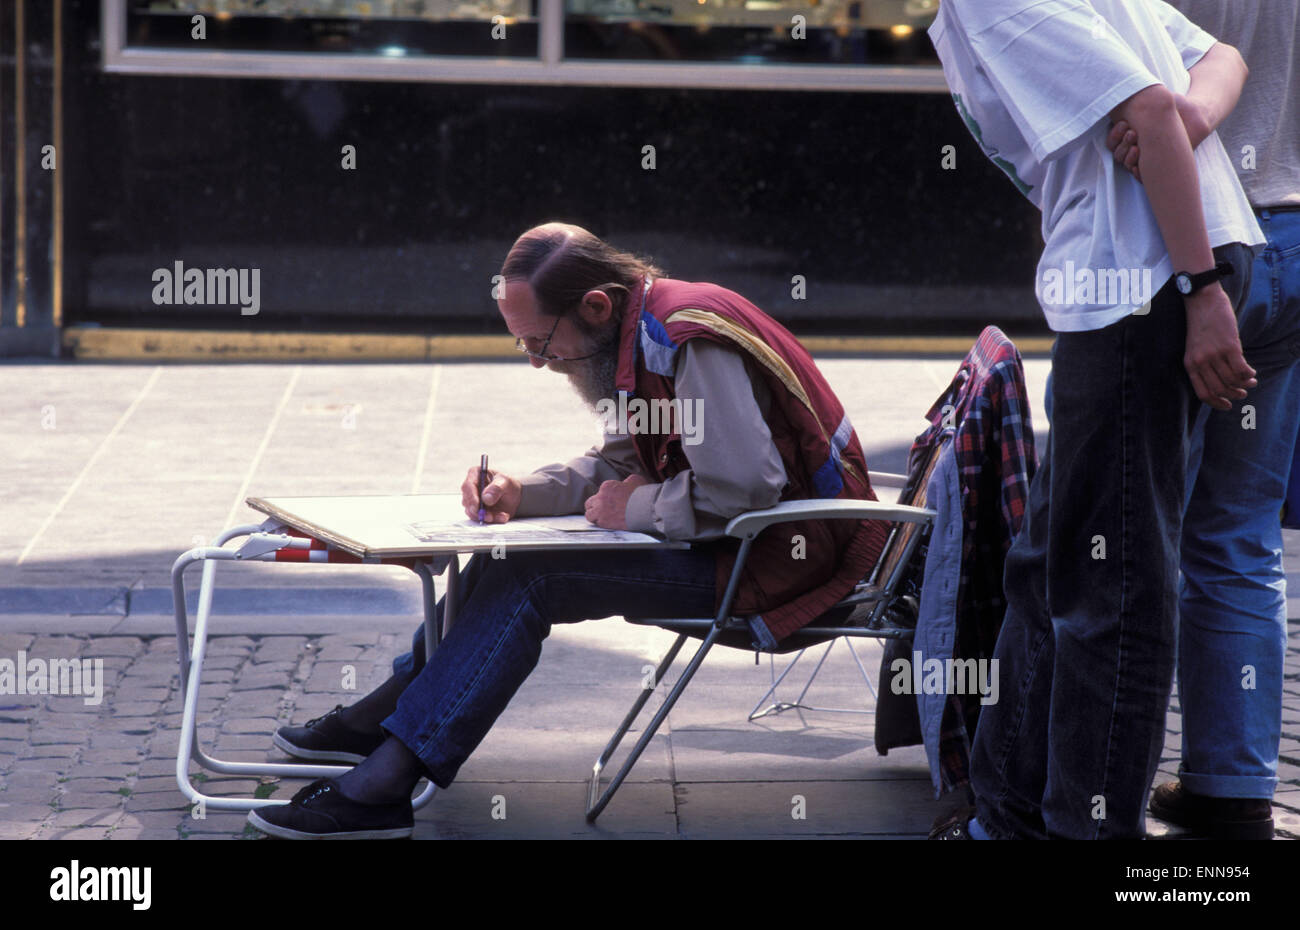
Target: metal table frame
274	541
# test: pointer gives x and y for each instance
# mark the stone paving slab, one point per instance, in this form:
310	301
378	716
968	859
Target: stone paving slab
884	807
551	809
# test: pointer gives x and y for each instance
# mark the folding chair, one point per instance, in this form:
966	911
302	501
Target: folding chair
860	614
879	480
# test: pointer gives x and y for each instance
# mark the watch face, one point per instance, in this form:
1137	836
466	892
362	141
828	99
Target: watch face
1183	282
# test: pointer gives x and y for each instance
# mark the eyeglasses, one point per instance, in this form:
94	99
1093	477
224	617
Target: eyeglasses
520	346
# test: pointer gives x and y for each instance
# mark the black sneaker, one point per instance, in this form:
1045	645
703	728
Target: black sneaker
1216	818
327	739
953	826
322	812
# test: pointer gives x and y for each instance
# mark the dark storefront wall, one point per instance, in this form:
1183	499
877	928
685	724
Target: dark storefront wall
749	190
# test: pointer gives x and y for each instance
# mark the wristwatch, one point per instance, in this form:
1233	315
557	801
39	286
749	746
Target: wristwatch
1189	284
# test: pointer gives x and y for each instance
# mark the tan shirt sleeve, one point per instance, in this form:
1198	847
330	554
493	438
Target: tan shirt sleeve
562	489
735	466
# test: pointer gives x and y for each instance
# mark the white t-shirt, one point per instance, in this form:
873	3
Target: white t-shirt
1035	81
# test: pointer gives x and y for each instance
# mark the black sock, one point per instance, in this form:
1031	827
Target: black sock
367	714
386	776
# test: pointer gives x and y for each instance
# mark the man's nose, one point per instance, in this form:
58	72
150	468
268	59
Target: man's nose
536	362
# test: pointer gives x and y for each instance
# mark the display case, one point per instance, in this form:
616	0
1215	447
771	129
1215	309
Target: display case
336	29
854	45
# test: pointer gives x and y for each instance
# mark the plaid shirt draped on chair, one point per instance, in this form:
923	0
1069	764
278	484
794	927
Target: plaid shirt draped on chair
988	407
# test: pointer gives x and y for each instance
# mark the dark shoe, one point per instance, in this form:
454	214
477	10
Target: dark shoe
322	812
954	826
1216	818
326	739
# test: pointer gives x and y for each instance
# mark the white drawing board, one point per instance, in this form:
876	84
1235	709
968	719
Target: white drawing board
407	525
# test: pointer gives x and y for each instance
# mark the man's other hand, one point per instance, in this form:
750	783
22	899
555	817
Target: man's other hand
1214	360
1122	139
500	498
607	508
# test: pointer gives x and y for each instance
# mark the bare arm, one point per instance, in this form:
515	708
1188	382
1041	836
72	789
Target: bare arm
1170	177
1217	81
1213	358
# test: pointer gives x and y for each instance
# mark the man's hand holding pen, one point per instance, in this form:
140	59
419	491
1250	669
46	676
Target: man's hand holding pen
500	499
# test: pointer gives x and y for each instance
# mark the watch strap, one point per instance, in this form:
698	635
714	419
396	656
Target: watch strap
1219	271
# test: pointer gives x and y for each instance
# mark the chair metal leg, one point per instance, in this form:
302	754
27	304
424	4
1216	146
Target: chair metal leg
630	717
861	668
778	706
597	804
597	801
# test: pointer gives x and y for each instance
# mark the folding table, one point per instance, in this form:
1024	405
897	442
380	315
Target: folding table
372	530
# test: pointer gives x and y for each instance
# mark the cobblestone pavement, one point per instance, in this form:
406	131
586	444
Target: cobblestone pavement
109	771
73	770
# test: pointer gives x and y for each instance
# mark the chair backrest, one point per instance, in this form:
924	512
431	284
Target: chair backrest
902	537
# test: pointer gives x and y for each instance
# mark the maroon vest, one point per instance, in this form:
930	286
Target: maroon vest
788	582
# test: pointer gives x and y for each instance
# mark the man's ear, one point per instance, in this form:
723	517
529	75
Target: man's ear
596	308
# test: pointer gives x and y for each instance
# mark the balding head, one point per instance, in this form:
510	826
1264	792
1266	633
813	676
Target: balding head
548	230
562	262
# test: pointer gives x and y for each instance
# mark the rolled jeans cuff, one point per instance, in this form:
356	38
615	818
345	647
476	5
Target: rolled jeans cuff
1228	786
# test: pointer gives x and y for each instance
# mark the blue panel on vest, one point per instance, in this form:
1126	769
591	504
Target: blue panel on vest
656	330
658	351
827	481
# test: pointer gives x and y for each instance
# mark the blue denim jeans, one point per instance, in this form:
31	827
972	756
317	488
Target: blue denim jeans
1086	650
1232	613
507	608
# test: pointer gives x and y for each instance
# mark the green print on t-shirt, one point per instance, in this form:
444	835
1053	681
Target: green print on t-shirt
1006	166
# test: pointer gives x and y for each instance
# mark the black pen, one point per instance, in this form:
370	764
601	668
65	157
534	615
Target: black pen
482	475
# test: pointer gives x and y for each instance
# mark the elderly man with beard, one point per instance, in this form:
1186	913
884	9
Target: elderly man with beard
775	431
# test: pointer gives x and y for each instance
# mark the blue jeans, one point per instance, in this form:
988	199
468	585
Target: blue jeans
1086	650
507	608
1232	614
